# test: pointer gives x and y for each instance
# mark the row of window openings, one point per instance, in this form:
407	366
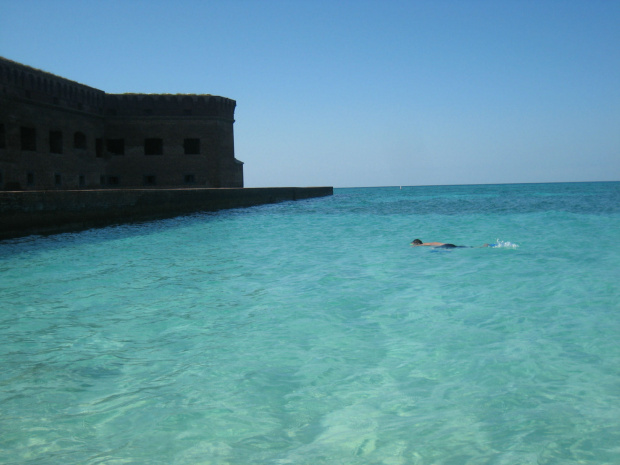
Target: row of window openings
149	180
152	146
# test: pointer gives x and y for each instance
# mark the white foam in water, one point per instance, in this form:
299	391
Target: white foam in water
505	244
310	332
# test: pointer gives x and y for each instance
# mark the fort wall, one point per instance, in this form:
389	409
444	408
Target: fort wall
57	134
48	212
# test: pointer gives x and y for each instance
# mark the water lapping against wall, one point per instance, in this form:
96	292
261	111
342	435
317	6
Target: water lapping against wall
310	332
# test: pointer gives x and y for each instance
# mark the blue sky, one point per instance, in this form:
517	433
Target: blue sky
361	93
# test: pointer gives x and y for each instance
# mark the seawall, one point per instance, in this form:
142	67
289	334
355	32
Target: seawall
23	213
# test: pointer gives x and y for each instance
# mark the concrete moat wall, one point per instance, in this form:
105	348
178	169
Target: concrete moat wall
49	212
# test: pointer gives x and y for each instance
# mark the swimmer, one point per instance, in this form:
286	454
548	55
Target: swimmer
443	245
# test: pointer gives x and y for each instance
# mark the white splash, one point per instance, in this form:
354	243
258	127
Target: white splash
505	244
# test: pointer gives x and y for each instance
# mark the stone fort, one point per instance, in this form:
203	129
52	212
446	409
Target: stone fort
57	134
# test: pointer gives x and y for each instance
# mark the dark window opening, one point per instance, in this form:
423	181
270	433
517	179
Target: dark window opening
190	179
148	111
30	179
13	186
82	180
79	140
150	180
99	148
191	146
2	137
113	181
116	146
187	112
55	100
58	179
102	180
28	138
55	141
153	146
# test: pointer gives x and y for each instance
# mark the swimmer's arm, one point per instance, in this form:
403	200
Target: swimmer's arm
431	244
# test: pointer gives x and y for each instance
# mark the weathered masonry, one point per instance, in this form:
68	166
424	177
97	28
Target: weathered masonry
48	212
56	134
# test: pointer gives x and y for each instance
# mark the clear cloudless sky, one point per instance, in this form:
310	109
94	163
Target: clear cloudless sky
358	92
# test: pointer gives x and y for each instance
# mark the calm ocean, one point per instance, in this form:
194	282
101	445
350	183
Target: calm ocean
310	332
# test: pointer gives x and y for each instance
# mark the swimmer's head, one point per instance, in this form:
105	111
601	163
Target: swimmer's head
416	242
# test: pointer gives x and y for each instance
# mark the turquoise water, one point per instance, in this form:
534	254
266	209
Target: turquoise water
310	332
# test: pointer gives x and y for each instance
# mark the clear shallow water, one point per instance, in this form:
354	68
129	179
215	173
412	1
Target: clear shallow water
310	332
